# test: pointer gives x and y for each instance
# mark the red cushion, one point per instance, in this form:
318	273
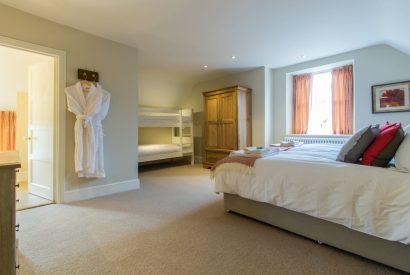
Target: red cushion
387	126
384	137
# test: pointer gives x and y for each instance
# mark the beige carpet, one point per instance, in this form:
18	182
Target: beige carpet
174	224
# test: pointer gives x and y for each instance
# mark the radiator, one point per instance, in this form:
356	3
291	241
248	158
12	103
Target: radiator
318	139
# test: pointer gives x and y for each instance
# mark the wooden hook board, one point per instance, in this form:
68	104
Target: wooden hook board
88	75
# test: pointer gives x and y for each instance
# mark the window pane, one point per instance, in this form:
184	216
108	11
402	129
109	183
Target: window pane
320	116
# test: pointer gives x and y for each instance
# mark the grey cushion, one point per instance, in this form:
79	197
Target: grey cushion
354	148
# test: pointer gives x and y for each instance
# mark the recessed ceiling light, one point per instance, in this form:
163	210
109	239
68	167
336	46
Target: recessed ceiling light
205	66
304	56
233	57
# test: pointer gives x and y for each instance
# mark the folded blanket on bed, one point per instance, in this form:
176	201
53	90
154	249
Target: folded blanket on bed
241	164
242	161
247	161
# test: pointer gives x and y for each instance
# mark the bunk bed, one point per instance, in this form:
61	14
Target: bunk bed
180	122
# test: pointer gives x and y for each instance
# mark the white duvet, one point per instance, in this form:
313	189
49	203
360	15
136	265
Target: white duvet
309	180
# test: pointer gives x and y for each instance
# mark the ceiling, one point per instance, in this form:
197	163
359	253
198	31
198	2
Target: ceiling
179	37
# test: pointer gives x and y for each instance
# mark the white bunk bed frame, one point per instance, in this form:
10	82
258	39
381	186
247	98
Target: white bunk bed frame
169	118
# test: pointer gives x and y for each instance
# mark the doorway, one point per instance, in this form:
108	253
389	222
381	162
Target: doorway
32	80
26	110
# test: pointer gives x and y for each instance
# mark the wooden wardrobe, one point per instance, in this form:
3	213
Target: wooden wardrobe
228	122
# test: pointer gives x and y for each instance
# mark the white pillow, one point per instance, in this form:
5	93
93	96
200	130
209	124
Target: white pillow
402	156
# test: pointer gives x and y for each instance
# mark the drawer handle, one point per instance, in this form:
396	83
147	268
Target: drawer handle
18	200
18	266
18	185
18	227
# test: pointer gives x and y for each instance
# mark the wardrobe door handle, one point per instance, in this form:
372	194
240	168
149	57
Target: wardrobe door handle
18	185
18	227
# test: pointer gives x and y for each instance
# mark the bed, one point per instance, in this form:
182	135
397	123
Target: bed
180	124
151	152
360	209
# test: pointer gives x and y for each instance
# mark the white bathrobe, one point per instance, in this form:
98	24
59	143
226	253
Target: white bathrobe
90	109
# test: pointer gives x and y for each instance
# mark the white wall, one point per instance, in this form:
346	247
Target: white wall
254	79
14	74
118	68
372	65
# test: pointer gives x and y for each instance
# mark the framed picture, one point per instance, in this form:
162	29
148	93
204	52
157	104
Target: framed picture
393	97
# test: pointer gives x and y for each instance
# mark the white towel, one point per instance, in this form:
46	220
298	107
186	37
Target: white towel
258	153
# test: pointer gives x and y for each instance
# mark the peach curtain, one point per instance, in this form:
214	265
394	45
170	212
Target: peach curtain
342	100
7	131
301	102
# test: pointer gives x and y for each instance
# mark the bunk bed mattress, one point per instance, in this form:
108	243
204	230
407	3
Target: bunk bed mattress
309	180
155	149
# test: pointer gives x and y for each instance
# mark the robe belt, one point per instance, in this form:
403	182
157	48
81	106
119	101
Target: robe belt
85	120
85	135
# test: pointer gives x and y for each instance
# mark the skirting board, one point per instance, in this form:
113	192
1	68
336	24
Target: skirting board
101	190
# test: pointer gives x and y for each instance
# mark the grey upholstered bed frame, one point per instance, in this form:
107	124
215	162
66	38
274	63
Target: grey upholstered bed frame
391	253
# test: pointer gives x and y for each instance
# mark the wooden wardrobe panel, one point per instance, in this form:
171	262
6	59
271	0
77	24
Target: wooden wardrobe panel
211	121
211	108
228	136
228	107
228	113
212	133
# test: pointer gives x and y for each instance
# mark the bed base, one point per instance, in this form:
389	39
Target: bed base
394	254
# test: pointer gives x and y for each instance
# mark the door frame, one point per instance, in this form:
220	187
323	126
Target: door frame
59	121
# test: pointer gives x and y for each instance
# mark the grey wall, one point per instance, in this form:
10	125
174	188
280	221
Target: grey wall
254	79
372	65
118	68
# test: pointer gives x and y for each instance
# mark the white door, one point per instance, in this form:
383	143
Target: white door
40	129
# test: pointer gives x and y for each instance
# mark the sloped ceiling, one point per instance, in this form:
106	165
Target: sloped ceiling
180	36
396	24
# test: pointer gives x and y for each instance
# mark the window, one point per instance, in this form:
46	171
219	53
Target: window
320	113
323	102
